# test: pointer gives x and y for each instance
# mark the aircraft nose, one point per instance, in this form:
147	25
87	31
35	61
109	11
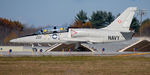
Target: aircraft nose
13	40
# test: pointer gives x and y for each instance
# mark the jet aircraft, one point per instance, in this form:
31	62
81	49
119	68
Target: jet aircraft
118	30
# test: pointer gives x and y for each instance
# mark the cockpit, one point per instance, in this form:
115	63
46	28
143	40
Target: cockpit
51	30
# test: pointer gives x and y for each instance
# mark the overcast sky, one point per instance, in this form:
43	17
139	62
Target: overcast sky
60	12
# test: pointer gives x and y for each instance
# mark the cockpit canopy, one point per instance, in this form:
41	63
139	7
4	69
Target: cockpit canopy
51	30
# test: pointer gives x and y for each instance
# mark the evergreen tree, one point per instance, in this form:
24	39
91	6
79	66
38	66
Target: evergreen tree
110	18
81	16
101	19
135	25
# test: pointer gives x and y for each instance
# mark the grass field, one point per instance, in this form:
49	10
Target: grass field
74	65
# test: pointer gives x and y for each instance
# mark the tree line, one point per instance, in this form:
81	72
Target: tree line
145	28
99	19
12	29
9	29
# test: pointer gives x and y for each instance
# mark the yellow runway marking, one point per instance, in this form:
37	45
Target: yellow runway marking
133	54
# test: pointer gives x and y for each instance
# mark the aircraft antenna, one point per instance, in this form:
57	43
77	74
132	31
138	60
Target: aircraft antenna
141	13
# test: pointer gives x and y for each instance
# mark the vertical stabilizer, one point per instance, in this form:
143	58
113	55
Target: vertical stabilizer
122	23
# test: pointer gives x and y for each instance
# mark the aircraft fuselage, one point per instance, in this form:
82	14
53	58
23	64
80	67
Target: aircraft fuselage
74	35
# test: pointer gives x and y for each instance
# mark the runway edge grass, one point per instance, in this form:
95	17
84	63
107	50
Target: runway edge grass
72	58
75	65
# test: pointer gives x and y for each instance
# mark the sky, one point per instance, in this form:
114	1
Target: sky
62	12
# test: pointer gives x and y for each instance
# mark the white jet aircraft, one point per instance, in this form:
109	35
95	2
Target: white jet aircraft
118	30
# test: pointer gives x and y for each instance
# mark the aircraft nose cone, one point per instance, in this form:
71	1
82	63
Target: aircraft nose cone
13	40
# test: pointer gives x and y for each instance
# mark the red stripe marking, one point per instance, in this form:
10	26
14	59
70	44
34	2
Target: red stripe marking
74	32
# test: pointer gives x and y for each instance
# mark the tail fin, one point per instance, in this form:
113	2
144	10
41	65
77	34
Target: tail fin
122	23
